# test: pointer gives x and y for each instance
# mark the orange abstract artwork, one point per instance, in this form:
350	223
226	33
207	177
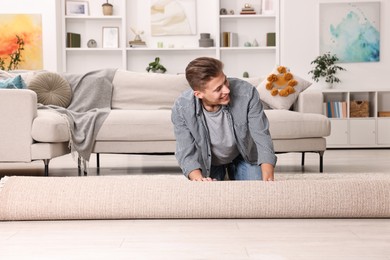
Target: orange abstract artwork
21	38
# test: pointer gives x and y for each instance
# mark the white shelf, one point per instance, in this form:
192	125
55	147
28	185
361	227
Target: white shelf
248	48
135	13
371	131
92	49
97	17
247	16
171	49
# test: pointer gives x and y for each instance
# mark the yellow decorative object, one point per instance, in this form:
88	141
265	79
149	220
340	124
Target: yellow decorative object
281	84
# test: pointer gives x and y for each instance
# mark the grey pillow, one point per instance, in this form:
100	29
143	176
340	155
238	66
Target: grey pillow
51	89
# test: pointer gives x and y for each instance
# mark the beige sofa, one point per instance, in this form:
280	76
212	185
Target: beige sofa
140	122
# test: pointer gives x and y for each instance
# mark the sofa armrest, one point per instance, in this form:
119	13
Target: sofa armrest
18	109
309	102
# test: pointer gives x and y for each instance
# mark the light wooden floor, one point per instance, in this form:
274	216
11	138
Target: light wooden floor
271	239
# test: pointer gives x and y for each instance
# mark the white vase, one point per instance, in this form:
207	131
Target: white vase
326	85
329	85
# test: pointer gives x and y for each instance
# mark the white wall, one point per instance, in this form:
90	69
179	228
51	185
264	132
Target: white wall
299	29
300	45
50	38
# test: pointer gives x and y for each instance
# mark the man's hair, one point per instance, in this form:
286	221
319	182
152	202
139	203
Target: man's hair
201	70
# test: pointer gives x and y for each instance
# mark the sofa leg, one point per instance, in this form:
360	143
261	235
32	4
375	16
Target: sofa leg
98	163
303	159
79	166
46	162
321	153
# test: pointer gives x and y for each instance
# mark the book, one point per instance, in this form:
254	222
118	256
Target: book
73	40
229	39
247	12
271	39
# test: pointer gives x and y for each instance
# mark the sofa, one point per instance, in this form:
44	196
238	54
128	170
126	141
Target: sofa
140	121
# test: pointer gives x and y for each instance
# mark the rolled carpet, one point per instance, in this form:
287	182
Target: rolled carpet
172	196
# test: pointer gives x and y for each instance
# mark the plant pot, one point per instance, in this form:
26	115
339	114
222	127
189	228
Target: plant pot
328	85
325	85
107	9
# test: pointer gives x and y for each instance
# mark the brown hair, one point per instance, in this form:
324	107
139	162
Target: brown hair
202	70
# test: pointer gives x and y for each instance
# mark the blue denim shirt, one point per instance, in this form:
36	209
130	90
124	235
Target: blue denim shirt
246	116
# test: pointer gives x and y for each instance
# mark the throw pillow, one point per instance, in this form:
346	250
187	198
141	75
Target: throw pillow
13	83
51	89
281	88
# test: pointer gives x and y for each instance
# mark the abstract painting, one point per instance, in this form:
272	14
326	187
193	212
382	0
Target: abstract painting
351	31
21	36
173	17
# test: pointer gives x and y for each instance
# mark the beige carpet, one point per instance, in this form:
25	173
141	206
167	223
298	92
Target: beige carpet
170	196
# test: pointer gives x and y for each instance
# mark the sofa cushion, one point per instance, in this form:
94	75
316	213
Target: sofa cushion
286	124
137	125
135	90
50	126
51	89
278	79
13	83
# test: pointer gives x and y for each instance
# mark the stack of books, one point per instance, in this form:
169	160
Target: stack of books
137	43
335	109
229	39
247	10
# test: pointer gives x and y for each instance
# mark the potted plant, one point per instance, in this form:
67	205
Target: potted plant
107	8
326	68
155	66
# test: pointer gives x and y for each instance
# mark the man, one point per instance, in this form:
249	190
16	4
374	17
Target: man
220	126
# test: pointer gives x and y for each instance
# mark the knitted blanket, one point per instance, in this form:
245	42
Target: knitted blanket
90	106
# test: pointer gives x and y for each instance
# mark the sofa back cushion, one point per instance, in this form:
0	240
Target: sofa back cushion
139	90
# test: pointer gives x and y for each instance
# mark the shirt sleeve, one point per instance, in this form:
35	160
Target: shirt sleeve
259	129
186	153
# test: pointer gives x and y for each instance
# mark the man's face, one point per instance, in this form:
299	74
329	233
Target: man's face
216	92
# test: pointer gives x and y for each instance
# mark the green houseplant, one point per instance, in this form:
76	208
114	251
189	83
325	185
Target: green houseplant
326	67
156	66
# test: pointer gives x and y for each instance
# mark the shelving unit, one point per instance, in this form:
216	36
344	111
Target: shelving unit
360	132
254	60
177	50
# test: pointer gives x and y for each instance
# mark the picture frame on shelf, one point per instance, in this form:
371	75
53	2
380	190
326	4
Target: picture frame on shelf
268	7
77	8
110	37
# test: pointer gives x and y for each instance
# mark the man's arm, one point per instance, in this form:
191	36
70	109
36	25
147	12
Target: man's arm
186	152
259	129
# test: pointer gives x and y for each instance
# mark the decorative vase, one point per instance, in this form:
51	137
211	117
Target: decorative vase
107	9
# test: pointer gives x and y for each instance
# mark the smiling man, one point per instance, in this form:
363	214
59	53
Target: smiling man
220	127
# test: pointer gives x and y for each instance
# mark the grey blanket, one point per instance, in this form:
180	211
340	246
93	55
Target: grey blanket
90	106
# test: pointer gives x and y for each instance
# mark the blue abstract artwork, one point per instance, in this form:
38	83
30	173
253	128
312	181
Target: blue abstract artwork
351	31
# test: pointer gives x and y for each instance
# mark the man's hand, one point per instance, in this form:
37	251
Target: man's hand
267	171
196	175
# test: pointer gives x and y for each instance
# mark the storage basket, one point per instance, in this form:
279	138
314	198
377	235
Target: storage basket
359	108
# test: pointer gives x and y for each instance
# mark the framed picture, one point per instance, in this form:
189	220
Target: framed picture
268	7
110	37
351	31
77	8
173	17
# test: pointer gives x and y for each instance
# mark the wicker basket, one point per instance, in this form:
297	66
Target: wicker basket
359	108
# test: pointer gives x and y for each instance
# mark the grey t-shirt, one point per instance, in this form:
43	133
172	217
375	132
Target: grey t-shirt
223	144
